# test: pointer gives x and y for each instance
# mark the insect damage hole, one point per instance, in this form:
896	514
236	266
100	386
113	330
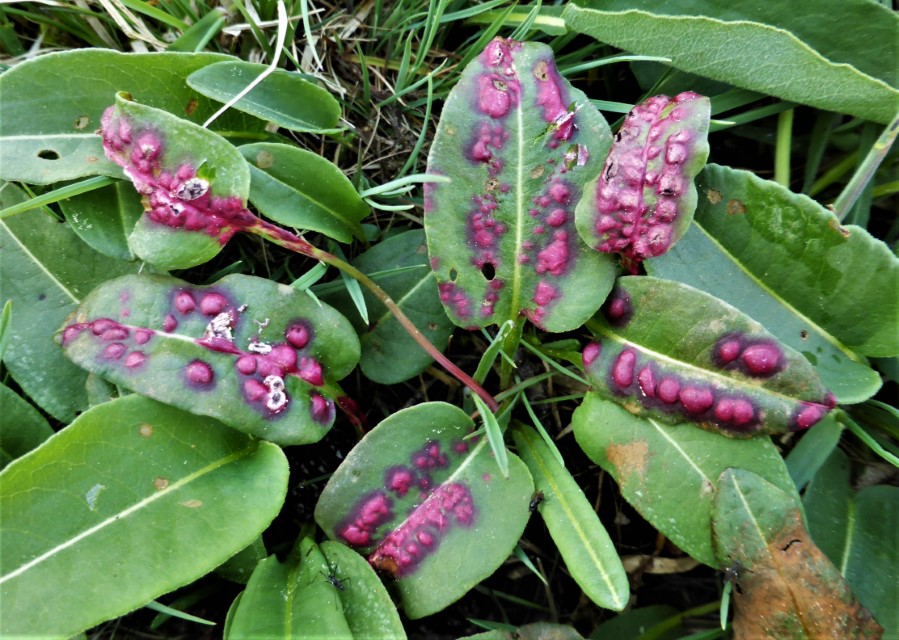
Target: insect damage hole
488	271
48	154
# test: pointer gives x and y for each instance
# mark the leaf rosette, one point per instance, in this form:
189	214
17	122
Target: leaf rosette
257	355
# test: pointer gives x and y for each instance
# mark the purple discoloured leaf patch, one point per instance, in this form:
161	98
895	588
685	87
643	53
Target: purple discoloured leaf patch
643	201
683	356
519	144
193	183
412	497
261	357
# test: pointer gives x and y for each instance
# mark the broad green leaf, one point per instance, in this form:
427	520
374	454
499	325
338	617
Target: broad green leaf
47	270
283	97
105	218
788	587
257	355
519	145
239	567
194	184
644	456
812	450
857	532
399	265
677	354
643	201
5	323
289	600
300	189
774	49
582	540
633	623
22	427
784	260
50	107
134	499
201	32
533	631
426	505
369	611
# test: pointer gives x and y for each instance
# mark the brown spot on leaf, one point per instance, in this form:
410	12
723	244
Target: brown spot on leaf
146	430
91	158
714	196
803	334
793	590
536	172
160	483
81	122
265	160
630	460
836	226
491	184
735	207
191	504
540	71
191	106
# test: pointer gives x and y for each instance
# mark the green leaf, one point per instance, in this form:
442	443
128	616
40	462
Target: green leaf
644	455
240	566
22	427
788	587
678	354
105	218
300	189
643	201
5	324
369	611
856	530
201	32
519	145
289	600
257	355
582	540
634	623
194	184
399	265
765	47
47	270
427	506
785	260
812	450
99	499
283	97
50	107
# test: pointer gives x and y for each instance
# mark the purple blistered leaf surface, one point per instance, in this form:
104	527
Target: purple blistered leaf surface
668	351
417	495
193	183
257	355
518	144
644	199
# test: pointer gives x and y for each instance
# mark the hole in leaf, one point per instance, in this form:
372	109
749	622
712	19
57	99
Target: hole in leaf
488	271
48	154
452	275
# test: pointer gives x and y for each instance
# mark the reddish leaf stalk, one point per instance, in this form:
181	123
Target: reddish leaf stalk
297	244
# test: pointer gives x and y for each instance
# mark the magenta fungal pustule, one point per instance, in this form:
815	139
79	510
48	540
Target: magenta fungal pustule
808	415
399	480
199	373
696	399
184	302
623	369
114	351
213	304
135	359
298	335
618	309
591	353
321	409
737	411
668	390
762	359
727	350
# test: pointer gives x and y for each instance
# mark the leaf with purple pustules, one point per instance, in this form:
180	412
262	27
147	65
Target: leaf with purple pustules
671	352
259	356
644	199
426	504
194	184
519	144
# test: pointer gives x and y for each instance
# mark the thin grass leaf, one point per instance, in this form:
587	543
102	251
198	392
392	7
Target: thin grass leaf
547	439
175	613
521	555
493	350
494	436
863	435
5	320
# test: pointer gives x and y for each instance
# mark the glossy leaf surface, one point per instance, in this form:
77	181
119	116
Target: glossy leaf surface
856	530
22	427
99	499
193	182
783	259
643	201
105	218
300	189
47	270
643	455
283	97
746	44
259	356
788	588
427	506
45	139
399	265
518	144
582	540
369	611
289	600
677	354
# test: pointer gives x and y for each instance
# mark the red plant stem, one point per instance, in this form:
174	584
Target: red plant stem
297	244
